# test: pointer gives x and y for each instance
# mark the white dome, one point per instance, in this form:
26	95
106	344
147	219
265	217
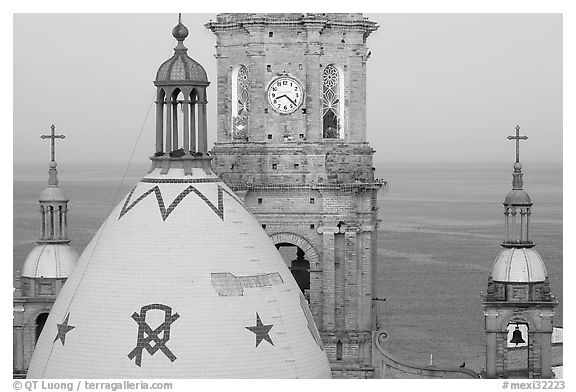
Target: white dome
180	282
53	193
50	261
522	265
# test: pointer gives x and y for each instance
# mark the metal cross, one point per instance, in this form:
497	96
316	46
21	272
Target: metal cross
517	138
53	137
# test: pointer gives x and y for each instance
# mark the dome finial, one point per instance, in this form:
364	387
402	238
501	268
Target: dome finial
180	32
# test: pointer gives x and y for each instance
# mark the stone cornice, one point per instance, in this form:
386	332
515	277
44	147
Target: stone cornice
309	21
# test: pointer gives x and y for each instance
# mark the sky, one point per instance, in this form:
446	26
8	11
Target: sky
440	87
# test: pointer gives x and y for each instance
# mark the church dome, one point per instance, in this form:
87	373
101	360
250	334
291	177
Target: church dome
181	67
517	197
48	260
519	265
180	281
53	193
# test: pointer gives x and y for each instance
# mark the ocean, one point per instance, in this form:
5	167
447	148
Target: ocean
440	230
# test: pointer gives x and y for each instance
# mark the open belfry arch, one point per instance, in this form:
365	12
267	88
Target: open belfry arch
291	142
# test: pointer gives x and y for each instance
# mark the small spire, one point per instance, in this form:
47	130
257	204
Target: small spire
52	172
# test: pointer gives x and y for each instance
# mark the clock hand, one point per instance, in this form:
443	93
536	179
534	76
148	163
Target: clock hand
282	96
293	103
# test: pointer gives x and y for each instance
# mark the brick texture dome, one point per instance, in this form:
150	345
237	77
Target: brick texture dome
180	67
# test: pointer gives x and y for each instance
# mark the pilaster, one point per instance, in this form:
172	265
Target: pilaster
328	282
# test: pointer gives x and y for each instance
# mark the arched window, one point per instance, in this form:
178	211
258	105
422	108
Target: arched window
40	321
338	350
240	101
332	103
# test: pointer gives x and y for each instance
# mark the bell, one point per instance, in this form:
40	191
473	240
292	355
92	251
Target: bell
517	336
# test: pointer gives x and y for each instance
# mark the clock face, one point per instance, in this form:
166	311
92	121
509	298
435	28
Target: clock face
285	94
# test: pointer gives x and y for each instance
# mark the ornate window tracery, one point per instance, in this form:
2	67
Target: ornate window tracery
332	109
240	101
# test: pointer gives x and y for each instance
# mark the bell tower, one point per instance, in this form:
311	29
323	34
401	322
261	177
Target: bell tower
46	268
518	304
291	142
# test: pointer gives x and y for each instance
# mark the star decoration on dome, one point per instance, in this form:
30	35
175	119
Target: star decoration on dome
63	329
261	331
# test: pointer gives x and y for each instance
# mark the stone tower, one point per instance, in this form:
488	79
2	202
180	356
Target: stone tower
518	304
291	143
45	269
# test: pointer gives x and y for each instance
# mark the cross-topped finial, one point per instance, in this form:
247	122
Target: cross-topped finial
52	138
517	138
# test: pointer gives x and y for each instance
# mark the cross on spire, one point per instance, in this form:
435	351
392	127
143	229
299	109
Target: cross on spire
52	138
517	138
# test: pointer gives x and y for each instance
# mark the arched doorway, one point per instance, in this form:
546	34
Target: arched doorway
304	263
298	265
40	321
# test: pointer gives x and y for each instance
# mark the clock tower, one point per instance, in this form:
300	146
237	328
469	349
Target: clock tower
291	142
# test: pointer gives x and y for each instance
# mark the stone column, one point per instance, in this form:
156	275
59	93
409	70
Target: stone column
528	213
19	345
514	225
159	121
491	354
522	224
502	354
43	217
193	144
64	222
507	222
490	323
313	82
186	110
316	297
350	278
48	222
365	259
203	128
168	127
329	292
60	213
175	124
546	346
51	210
55	222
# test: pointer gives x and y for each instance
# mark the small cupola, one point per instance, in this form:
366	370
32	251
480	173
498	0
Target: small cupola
52	257
517	205
181	119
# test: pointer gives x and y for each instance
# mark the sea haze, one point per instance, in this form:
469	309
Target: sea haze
441	226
